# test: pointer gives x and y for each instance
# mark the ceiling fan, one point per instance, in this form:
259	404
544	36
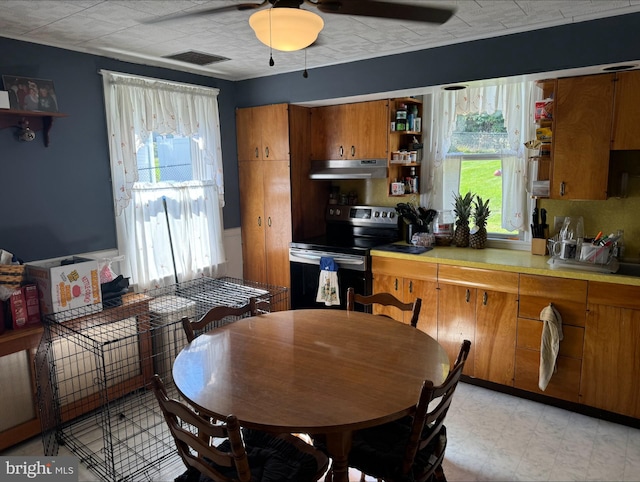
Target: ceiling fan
301	27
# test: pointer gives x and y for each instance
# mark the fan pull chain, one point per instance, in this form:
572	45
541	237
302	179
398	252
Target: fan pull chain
305	74
271	62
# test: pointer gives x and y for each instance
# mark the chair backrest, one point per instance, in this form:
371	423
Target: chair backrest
385	299
215	314
193	434
429	417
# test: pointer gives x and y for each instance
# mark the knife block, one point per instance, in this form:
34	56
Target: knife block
539	246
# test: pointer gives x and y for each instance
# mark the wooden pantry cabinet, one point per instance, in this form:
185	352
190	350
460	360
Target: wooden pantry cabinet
582	111
391	276
611	366
569	297
479	305
275	189
350	131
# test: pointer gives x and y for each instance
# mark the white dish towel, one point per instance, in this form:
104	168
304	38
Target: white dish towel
549	344
328	289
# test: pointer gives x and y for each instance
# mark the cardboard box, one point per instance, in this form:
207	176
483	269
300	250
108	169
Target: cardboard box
70	284
24	307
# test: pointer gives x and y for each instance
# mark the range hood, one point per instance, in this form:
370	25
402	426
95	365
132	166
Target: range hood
349	169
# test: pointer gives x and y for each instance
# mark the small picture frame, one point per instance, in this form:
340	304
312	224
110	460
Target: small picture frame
30	94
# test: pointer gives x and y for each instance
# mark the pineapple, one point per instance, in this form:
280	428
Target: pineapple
478	237
462	210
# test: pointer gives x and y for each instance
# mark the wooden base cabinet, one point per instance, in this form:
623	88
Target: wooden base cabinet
390	276
569	297
481	306
612	336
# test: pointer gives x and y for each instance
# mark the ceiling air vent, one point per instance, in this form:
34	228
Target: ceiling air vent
197	58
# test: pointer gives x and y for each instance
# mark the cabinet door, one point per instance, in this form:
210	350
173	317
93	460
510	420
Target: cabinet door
367	129
582	119
388	284
495	336
626	112
273	121
252	221
327	132
457	321
277	210
428	292
247	135
610	364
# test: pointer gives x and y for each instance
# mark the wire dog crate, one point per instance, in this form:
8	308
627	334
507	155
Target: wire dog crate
94	372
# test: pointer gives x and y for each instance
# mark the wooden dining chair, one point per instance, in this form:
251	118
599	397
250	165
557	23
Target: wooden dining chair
385	299
240	455
215	315
413	447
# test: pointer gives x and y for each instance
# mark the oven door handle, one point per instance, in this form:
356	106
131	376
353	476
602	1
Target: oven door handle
343	261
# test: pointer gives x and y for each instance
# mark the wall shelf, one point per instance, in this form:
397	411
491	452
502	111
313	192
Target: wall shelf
37	120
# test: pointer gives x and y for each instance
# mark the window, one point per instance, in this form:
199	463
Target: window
480	140
167	178
478	146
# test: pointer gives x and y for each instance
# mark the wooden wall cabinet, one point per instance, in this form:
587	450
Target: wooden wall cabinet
390	276
350	131
481	306
625	132
570	299
612	337
582	112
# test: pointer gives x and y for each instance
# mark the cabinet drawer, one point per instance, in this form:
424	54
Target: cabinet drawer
479	278
530	332
405	268
564	384
568	296
622	296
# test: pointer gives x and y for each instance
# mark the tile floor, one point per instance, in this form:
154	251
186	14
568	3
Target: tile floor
497	437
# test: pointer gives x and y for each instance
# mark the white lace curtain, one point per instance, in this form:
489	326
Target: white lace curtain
166	230
516	101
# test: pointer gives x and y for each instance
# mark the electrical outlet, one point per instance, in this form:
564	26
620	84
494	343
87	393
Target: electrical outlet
557	223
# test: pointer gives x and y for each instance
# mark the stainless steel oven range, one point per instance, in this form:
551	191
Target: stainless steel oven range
351	233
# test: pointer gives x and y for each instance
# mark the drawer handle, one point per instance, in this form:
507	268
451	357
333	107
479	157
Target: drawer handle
485	297
341	151
396	284
468	296
266	151
353	151
257	153
562	188
259	220
410	286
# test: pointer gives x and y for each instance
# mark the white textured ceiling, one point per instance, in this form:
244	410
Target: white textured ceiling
116	28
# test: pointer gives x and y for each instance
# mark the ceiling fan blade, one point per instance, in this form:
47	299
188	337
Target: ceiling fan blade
208	11
374	8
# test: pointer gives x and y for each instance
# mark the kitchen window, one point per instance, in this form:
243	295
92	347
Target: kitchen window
166	166
478	145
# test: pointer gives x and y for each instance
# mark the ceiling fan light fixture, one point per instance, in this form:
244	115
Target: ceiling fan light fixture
286	29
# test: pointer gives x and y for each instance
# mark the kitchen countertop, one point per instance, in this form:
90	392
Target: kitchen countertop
504	260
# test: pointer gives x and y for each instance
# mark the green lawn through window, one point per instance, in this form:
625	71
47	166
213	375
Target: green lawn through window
480	178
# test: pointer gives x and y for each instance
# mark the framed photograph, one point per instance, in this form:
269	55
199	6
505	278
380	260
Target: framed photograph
30	94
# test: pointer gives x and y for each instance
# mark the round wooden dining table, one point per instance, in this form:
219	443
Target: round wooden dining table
322	371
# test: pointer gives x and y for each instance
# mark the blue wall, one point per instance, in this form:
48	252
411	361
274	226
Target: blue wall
57	201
